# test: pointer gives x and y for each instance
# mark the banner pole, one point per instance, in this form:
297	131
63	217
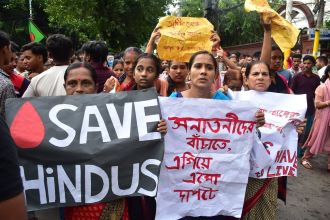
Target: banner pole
30	7
288	12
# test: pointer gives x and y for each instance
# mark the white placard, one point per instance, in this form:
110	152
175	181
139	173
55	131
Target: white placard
279	134
206	163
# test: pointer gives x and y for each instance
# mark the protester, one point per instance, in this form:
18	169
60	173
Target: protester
50	82
279	83
296	61
321	64
306	82
95	53
6	87
113	83
248	59
20	83
165	70
233	80
264	190
276	64
203	67
12	202
146	71
80	78
118	67
177	76
127	81
50	63
228	61
233	58
256	56
35	55
20	67
261	194
319	138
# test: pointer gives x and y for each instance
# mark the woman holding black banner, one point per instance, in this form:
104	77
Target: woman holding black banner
80	78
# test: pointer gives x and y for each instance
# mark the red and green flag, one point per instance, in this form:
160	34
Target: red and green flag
35	34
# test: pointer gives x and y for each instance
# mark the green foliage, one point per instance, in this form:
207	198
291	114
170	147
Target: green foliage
14	15
121	23
235	25
327	24
192	8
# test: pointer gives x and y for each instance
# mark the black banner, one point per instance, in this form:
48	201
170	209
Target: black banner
87	148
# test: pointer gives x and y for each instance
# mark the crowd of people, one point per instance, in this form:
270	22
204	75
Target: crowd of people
54	69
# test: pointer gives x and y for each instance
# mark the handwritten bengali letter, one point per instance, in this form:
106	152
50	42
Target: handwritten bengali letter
183	36
206	162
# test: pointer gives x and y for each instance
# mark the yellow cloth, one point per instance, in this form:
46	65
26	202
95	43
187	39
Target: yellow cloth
183	36
283	32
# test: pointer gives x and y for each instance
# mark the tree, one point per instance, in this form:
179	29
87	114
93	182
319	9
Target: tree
235	25
121	23
14	15
192	8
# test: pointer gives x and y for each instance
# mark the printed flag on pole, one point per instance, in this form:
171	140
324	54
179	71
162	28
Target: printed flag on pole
35	34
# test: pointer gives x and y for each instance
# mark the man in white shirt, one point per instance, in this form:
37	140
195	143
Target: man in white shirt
50	82
321	64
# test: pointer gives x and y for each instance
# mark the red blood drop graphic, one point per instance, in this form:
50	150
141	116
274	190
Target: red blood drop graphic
27	128
32	37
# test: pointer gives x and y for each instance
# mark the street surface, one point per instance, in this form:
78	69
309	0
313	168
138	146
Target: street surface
308	195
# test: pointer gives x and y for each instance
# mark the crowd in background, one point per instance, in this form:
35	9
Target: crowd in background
54	69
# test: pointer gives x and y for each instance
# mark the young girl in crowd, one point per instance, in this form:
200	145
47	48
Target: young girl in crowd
146	71
127	82
177	77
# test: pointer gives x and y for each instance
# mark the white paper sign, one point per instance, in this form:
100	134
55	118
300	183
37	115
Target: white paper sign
206	163
278	134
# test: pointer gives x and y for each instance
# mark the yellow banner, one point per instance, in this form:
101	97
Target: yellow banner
183	36
284	33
